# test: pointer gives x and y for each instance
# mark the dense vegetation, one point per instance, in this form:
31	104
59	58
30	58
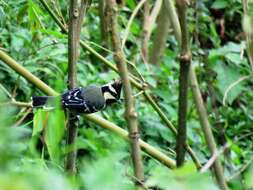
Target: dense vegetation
33	141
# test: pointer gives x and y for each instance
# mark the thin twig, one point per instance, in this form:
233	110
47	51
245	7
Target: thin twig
6	91
136	180
27	111
127	61
17	103
58	10
231	86
213	158
217	153
241	169
133	15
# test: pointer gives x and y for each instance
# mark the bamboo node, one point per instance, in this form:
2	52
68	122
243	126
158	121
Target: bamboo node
144	85
185	57
132	113
118	54
76	13
134	135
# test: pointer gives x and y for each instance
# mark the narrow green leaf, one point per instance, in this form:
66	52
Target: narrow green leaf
38	121
220	4
54	133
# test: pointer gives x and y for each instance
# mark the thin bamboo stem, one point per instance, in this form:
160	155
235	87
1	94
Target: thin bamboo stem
130	112
185	62
76	13
207	129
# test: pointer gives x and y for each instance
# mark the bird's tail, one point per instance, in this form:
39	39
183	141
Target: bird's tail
39	101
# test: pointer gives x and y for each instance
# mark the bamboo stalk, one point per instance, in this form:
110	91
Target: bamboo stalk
72	126
130	112
159	41
76	13
185	62
103	26
17	103
248	32
206	128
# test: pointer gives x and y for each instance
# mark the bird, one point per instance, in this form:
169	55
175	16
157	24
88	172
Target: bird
85	100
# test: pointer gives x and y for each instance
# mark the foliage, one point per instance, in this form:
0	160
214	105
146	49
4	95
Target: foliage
32	152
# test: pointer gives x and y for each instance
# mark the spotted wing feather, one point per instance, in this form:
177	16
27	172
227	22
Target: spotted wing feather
83	100
74	100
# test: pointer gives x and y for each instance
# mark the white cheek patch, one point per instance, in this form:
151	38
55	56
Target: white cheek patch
112	89
108	96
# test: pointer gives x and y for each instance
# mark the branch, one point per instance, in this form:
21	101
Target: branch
103	25
159	42
173	20
185	62
207	129
148	25
145	28
215	156
137	8
57	8
199	103
130	113
16	103
54	16
91	117
76	13
27	111
247	23
241	169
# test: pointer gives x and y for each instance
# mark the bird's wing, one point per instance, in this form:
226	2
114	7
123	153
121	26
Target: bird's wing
73	99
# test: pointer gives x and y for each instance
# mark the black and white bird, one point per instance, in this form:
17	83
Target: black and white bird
89	99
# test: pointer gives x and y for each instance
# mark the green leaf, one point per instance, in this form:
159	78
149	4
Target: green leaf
131	4
54	133
227	75
183	178
249	176
234	58
220	4
106	173
33	15
17	42
38	121
231	52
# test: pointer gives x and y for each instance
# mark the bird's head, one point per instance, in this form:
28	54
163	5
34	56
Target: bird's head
111	91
